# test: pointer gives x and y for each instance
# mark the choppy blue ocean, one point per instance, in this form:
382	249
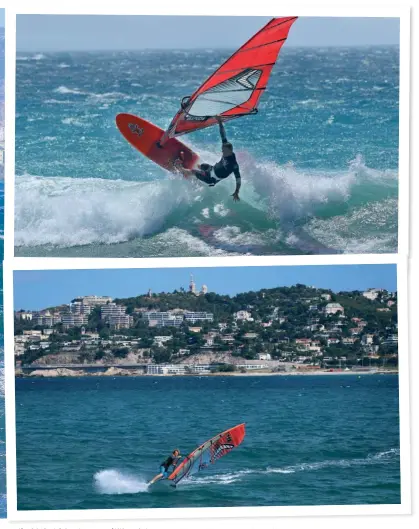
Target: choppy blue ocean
319	162
310	440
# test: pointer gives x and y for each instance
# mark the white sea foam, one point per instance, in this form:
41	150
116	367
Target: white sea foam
288	193
79	211
179	238
73	121
66	90
107	97
53	101
113	481
221	210
67	212
228	478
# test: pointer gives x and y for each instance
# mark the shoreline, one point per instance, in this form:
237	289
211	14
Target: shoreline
121	372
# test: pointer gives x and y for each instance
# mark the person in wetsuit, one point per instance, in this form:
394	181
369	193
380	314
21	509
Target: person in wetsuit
212	174
171	461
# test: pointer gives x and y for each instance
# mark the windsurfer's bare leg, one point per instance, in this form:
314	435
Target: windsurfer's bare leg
156	478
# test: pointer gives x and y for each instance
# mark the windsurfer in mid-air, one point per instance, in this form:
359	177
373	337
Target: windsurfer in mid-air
171	461
212	174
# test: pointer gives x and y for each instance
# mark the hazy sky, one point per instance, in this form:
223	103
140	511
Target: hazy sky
112	32
2	18
39	289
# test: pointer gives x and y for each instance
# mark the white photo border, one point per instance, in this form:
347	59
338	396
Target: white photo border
211	512
187	7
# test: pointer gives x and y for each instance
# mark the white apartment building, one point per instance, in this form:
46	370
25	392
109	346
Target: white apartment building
264	356
79	307
115	315
163	319
367	339
166	369
243	315
25	316
333	308
371	293
193	317
95	301
74	320
160	340
252	367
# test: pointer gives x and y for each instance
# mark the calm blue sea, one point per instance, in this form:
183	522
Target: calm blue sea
92	443
319	162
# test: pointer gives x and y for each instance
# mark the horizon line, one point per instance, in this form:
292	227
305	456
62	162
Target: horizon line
301	46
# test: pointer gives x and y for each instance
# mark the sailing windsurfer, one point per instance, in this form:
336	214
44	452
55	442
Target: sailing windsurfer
212	174
171	461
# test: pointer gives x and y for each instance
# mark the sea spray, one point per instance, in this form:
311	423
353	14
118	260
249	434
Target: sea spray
112	481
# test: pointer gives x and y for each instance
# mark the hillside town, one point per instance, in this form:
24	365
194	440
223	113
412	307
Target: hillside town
195	331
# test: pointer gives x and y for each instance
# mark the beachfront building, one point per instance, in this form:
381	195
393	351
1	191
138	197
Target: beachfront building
165	369
333	308
249	366
199	368
193	317
162	319
177	369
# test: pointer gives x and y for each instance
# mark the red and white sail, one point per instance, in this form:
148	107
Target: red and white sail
235	88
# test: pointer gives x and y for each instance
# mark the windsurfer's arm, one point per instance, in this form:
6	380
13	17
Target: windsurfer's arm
235	195
222	129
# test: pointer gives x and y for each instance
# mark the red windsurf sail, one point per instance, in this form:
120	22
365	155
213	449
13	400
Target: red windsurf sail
209	452
235	88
